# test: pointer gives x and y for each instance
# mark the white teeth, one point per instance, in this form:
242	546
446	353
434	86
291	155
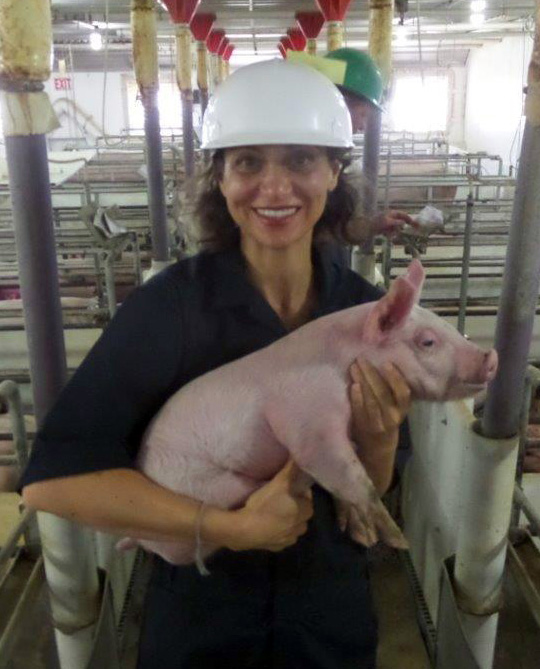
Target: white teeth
277	213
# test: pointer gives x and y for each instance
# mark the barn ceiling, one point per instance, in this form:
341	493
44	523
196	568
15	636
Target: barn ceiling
440	30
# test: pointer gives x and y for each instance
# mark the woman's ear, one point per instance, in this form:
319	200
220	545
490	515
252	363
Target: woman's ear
336	168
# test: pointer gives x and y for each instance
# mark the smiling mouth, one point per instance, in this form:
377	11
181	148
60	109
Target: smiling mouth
276	213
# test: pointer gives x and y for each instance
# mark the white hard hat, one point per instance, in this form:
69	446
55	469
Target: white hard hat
276	102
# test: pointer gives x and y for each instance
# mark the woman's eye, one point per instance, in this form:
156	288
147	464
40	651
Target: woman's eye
301	161
247	163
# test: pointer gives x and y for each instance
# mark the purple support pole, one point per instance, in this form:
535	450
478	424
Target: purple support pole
156	189
187	120
372	147
34	236
519	297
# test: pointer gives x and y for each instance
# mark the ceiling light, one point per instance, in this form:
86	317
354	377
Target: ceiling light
96	40
477	19
478	6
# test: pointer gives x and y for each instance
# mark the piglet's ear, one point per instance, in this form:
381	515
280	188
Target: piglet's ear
392	310
415	276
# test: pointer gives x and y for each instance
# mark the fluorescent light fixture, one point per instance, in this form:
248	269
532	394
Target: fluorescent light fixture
477	19
477	6
96	40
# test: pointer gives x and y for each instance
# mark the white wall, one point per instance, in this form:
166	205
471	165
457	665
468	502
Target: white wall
497	74
87	93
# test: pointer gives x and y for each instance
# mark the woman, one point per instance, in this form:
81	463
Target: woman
281	594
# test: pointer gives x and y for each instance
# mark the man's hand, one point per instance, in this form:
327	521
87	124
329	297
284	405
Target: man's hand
391	223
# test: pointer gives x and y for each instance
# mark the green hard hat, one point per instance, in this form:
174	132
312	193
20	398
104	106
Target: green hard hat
362	77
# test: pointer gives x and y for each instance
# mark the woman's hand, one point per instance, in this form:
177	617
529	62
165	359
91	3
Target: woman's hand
391	223
380	400
275	515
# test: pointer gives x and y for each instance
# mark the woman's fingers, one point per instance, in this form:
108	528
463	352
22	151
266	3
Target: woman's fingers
398	386
380	398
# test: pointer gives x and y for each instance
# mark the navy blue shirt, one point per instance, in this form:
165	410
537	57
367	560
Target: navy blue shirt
307	606
193	317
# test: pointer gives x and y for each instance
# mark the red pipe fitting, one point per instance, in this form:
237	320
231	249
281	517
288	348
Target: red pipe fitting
333	10
311	23
285	41
201	25
228	52
223	45
297	38
181	11
214	39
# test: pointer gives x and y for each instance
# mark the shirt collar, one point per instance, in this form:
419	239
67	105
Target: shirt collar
232	288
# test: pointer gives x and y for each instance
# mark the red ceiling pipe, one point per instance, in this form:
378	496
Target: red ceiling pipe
228	52
311	24
201	25
286	42
181	11
297	38
214	40
282	50
222	46
333	10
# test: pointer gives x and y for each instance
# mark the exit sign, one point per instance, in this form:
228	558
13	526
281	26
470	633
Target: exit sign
62	83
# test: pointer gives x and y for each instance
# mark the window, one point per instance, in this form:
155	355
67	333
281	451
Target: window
419	106
169	102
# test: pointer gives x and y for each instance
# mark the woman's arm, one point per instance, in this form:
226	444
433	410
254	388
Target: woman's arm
125	502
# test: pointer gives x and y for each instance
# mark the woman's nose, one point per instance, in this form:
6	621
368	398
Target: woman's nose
275	179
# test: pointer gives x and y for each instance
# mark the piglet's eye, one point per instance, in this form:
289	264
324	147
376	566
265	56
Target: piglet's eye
428	343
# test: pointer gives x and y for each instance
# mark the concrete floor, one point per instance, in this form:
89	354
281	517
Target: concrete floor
400	642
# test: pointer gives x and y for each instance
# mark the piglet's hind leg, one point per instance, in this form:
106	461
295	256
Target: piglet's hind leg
322	449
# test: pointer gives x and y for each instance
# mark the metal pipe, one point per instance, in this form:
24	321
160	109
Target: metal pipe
145	57
202	73
380	49
486	502
381	13
183	78
156	186
521	281
108	258
34	236
465	264
370	167
10	392
27	115
334	35
528	509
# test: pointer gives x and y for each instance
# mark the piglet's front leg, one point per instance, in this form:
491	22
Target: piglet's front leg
321	448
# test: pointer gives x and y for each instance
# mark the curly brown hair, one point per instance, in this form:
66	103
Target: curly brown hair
217	230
